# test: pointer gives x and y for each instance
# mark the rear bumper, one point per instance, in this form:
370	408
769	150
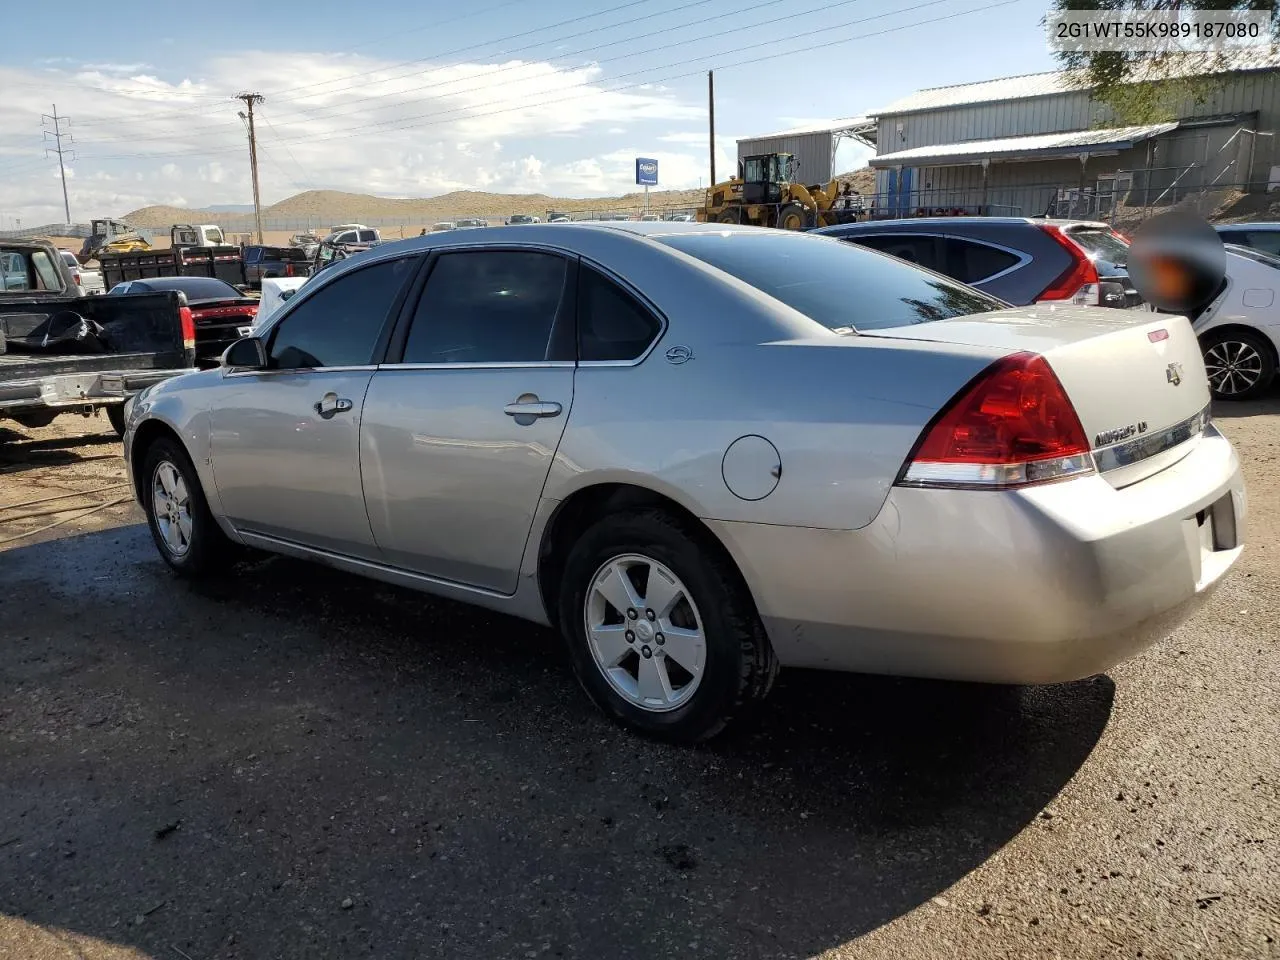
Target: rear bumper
1045	585
73	390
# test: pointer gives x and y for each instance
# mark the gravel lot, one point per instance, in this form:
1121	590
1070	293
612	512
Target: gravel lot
292	763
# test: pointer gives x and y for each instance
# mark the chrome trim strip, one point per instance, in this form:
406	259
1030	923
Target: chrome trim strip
531	365
1130	452
240	372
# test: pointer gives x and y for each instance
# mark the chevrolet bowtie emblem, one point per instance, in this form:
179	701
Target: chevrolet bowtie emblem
1173	373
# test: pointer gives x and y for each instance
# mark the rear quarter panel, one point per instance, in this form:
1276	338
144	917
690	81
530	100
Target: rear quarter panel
842	416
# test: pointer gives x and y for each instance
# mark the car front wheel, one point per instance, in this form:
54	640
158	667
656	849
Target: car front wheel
187	536
662	633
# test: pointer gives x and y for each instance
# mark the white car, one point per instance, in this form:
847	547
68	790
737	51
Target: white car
1240	330
89	281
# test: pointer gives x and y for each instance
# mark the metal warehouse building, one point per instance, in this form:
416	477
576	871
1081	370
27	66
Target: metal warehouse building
1038	144
814	146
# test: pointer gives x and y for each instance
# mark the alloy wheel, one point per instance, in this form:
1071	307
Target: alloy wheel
171	506
645	633
1233	367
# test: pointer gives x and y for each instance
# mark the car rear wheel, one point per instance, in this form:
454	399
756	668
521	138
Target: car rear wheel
187	536
1240	364
662	633
115	417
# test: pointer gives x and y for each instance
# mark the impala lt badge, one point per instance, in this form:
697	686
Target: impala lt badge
1108	437
1173	373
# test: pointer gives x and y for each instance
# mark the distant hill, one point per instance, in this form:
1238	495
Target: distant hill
328	207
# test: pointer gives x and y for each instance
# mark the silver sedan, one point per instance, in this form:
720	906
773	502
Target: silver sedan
701	452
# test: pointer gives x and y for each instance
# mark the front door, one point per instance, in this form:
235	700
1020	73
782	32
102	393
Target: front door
285	441
459	434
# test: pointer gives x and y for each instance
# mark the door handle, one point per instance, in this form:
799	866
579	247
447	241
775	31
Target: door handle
330	404
532	408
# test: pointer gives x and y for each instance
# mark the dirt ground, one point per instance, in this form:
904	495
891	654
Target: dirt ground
294	763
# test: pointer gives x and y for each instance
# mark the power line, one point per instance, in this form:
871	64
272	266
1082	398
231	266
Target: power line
443	87
279	138
57	148
433	119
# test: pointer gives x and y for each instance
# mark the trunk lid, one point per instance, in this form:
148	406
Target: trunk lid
1137	381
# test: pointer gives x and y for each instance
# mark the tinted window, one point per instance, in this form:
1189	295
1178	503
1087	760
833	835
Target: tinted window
926	251
491	307
338	325
840	285
253	254
1234	236
972	262
1267	241
196	288
1103	245
368	236
611	324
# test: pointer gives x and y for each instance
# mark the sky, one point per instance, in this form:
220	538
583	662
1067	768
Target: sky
416	99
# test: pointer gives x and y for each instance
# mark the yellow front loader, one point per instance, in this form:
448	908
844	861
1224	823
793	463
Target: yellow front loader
766	194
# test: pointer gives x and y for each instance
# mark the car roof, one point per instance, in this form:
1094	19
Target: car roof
985	221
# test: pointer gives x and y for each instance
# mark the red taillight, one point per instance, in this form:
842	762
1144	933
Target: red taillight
77	278
1079	282
1012	426
288	269
188	327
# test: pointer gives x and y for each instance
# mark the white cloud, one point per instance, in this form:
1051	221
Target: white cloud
514	126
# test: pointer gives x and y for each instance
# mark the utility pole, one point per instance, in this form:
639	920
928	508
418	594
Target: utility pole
249	100
711	116
57	135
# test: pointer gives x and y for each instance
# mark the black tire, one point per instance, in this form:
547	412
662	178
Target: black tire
208	551
739	666
791	213
731	215
1241	364
115	417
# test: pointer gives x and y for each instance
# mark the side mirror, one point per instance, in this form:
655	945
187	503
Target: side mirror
248	353
286	294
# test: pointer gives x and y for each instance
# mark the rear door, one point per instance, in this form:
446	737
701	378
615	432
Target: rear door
463	421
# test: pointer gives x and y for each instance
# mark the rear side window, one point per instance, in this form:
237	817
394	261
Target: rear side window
493	306
924	251
339	324
840	285
1268	241
368	236
972	262
253	254
612	324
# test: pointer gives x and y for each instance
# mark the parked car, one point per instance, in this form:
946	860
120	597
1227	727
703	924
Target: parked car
353	233
1018	259
471	223
1239	329
443	226
810	478
221	313
263	262
89	281
521	218
1259	236
63	352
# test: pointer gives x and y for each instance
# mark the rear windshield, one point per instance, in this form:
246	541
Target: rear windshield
196	288
840	285
1101	244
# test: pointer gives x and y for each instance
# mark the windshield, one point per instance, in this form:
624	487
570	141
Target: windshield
1101	244
196	288
842	286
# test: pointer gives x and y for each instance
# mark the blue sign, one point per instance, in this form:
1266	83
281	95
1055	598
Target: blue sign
646	172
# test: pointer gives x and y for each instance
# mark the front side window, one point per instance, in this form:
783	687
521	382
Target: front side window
495	306
339	325
840	285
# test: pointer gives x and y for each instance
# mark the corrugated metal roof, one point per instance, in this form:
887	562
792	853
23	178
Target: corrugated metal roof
851	125
1047	144
1047	84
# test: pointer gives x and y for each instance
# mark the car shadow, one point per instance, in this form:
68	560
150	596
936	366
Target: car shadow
293	762
20	451
1239	409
